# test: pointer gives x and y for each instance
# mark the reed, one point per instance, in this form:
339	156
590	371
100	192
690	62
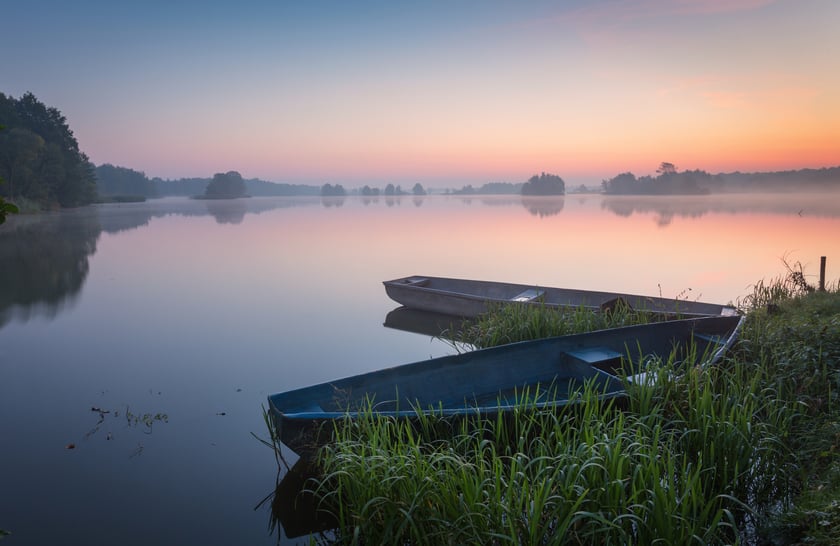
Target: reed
735	453
796	344
586	473
512	323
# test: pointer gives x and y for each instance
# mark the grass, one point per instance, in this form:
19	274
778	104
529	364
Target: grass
745	452
585	474
796	341
512	323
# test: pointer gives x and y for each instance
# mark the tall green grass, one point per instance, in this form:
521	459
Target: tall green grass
794	338
512	323
744	452
587	473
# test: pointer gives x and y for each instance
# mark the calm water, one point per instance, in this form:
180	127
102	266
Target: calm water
138	342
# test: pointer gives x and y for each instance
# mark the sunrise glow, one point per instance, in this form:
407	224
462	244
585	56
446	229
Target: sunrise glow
437	93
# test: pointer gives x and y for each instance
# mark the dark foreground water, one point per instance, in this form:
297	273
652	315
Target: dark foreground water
138	342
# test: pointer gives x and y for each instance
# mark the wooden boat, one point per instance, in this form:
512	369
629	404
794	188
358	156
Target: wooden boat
470	298
488	381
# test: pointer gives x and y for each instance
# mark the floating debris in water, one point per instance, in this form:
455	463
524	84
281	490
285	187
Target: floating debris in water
143	421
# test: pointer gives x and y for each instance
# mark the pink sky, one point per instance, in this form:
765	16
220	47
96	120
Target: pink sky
440	94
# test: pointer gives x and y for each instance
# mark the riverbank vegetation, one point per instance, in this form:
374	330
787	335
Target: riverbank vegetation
745	452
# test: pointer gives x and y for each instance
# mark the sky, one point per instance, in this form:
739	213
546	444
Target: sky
441	93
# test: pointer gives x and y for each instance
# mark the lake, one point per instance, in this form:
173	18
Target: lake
138	342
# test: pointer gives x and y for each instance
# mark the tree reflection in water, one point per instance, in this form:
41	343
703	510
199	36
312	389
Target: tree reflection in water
544	206
666	208
45	263
295	508
45	257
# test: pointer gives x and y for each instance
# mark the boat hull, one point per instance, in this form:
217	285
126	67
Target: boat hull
492	381
470	298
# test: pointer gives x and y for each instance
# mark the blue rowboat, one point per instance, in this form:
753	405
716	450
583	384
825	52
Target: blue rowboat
491	381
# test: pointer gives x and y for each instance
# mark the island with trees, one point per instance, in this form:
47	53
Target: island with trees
227	185
544	184
539	184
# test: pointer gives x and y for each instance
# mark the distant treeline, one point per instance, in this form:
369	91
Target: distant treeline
41	166
121	181
669	181
539	184
389	191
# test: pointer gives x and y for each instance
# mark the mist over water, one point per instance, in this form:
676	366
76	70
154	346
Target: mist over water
147	336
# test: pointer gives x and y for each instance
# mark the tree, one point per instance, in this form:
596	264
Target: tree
544	184
666	168
6	208
78	185
667	183
622	183
328	190
500	188
418	189
39	156
227	185
114	181
20	150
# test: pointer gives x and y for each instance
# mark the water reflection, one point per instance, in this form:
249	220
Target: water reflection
45	263
665	208
332	201
294	505
45	256
543	206
227	211
122	217
118	218
424	322
154	309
